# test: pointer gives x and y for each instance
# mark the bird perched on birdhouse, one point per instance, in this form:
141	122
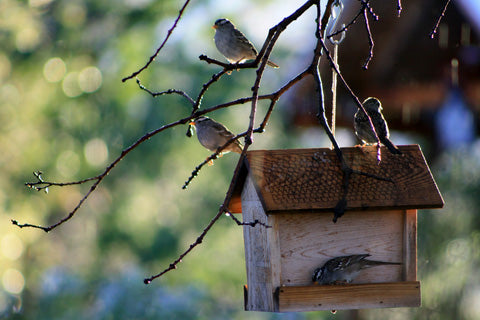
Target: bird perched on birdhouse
363	129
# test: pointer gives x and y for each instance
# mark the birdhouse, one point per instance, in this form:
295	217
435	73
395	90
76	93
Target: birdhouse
294	193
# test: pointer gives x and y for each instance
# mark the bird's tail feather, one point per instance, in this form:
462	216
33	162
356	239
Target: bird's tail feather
393	148
272	64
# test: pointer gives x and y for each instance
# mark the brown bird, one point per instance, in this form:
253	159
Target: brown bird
344	269
212	135
233	44
362	127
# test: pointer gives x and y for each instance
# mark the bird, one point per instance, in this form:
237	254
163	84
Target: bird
364	132
344	269
213	135
233	44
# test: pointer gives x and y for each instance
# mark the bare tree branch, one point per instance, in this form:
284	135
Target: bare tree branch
434	31
221	210
251	224
41	184
365	9
100	177
169	33
259	64
399	8
169	91
370	40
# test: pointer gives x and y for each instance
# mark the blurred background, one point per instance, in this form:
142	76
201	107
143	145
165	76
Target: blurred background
65	111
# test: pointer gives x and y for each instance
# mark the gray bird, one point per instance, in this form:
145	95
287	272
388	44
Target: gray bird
233	44
344	269
362	127
212	135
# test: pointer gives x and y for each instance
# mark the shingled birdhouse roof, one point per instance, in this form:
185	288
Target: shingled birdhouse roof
311	179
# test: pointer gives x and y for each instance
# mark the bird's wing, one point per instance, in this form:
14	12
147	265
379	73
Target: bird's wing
222	130
241	37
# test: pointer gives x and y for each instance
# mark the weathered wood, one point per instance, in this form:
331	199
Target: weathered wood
294	192
350	296
307	241
262	255
311	179
410	245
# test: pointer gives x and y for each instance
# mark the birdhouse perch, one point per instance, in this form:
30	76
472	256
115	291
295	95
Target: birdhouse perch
295	191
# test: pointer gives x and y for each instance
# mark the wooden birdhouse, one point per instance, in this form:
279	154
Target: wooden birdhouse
295	191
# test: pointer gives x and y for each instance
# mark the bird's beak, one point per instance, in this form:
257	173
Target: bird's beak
192	123
214	27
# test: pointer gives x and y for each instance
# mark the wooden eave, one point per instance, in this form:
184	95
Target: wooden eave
311	180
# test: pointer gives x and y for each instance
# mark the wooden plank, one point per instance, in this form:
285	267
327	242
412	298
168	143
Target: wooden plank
311	179
307	241
410	245
351	296
262	257
235	205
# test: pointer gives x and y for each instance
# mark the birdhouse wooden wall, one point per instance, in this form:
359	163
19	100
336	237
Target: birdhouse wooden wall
294	193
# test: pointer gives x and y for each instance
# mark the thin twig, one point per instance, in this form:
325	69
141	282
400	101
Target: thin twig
101	176
68	217
41	184
434	31
229	66
205	87
169	33
199	240
212	157
221	211
365	9
169	91
366	5
370	40
345	28
251	224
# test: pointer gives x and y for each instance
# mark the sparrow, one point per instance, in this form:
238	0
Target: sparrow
362	127
212	135
344	269
233	44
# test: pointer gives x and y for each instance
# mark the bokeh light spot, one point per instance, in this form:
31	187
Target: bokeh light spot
38	3
13	281
96	152
27	39
90	79
70	85
11	246
54	70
